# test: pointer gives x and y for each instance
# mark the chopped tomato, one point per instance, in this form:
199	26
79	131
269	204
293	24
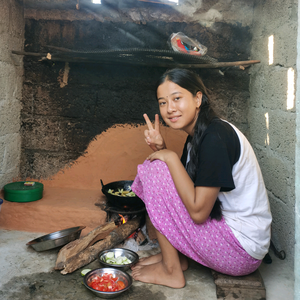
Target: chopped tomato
93	285
106	283
96	279
121	284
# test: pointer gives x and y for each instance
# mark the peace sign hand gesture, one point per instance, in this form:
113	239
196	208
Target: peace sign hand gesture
152	135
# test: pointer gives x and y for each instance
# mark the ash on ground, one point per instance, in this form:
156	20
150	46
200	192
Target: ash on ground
133	245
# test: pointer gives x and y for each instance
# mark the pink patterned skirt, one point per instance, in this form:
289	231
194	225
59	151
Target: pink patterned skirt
211	243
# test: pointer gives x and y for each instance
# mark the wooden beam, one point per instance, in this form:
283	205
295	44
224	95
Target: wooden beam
119	60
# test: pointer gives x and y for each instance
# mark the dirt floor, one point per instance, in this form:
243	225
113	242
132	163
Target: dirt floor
30	275
55	286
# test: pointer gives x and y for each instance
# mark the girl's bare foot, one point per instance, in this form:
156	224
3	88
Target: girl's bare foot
153	259
159	273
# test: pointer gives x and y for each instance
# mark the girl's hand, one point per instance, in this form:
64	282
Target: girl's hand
152	135
163	155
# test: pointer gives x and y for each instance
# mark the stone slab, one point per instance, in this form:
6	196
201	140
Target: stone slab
249	287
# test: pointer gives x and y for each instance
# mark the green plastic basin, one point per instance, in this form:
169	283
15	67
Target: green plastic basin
18	192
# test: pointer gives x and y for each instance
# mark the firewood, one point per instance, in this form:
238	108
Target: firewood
140	238
74	247
91	253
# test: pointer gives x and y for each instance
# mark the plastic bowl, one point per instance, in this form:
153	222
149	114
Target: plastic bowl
119	252
123	276
19	192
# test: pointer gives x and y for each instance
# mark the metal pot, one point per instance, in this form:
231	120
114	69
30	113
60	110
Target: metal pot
56	239
121	201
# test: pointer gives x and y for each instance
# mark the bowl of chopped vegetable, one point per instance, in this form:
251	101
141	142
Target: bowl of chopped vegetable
119	194
107	282
119	258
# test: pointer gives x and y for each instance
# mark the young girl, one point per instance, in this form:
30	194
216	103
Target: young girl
211	205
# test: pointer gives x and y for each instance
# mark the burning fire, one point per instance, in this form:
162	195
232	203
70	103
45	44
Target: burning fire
123	219
138	236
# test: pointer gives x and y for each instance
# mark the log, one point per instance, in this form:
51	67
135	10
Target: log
140	238
74	247
91	253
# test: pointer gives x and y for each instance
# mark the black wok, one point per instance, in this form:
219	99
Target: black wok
121	201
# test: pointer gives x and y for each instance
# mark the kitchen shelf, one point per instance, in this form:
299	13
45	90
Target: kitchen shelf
136	56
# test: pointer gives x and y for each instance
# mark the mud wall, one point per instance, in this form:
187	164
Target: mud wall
11	71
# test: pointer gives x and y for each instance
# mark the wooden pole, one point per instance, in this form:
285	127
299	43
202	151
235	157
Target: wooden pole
118	60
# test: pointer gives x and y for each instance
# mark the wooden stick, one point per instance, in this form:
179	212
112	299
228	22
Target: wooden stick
91	253
112	60
28	53
229	64
165	65
109	60
74	247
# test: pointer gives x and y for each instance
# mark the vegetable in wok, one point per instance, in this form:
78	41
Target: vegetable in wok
122	193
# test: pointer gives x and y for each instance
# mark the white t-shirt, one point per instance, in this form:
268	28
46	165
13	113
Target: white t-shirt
250	219
245	204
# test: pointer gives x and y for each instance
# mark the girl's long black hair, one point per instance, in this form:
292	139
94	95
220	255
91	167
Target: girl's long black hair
193	83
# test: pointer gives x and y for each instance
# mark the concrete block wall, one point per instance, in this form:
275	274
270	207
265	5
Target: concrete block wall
11	80
297	181
272	124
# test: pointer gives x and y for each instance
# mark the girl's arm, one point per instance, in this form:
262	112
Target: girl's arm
199	200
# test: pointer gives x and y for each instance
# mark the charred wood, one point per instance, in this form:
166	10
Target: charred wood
89	254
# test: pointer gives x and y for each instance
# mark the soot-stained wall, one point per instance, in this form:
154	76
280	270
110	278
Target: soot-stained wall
60	120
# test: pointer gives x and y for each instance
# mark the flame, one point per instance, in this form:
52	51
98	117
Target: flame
123	219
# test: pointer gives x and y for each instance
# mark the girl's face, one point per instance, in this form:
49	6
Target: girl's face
178	107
